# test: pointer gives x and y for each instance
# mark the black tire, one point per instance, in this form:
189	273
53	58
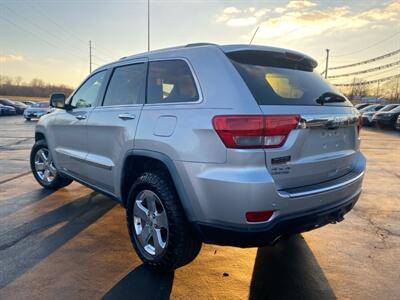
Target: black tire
58	181
28	119
183	244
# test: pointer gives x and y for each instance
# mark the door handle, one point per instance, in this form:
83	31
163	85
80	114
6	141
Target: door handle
80	117
126	116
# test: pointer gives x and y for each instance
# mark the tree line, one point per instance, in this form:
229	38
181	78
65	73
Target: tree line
14	86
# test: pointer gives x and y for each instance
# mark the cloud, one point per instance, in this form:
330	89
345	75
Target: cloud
231	10
10	57
300	4
235	17
304	19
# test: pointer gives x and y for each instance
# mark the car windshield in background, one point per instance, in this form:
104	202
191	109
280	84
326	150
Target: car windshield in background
389	107
396	110
41	105
286	86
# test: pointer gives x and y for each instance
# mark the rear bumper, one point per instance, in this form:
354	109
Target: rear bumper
279	227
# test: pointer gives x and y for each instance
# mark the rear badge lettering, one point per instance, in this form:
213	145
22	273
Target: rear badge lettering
280	160
280	170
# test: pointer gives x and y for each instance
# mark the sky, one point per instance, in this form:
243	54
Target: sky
49	39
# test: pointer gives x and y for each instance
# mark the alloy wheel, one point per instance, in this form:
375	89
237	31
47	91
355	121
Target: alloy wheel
44	166
150	222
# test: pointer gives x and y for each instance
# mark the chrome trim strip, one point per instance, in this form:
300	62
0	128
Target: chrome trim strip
90	163
320	190
327	121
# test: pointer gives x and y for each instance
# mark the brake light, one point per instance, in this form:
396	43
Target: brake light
254	131
359	124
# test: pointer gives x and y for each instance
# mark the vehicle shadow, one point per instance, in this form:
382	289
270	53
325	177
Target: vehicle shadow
24	246
12	205
289	270
142	283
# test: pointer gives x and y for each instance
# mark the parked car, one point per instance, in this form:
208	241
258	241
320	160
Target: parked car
368	112
36	110
372	107
233	145
6	110
19	106
362	105
387	118
398	123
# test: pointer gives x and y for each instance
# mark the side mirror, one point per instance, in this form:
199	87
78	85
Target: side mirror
57	100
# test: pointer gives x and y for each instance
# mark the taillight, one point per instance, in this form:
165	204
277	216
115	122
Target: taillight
359	124
254	131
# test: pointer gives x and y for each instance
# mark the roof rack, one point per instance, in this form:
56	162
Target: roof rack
200	44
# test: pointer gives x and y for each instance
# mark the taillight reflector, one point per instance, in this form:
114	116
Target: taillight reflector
254	131
259	216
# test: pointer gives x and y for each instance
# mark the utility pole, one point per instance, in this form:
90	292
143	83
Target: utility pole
326	63
377	90
90	56
148	25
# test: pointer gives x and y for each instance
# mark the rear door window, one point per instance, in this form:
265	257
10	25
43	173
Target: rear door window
280	82
126	85
170	81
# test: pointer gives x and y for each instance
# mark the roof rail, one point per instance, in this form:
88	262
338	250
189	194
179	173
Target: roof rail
200	44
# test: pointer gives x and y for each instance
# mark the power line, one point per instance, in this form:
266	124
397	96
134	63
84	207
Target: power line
369	76
369	82
365	48
367	70
40	28
40	38
69	32
368	60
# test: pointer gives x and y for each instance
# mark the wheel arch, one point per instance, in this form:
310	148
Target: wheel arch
39	136
138	161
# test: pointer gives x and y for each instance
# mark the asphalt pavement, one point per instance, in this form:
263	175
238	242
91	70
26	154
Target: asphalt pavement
73	243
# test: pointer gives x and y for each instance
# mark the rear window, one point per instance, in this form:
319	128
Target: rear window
170	81
281	82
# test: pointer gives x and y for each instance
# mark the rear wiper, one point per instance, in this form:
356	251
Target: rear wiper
329	97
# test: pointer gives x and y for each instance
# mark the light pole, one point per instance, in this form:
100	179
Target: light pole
326	63
148	25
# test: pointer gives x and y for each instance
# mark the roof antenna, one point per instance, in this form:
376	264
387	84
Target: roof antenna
254	34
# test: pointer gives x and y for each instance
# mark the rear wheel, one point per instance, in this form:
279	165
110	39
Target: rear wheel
43	168
157	224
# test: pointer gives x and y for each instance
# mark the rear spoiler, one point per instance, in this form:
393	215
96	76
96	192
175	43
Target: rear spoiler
285	59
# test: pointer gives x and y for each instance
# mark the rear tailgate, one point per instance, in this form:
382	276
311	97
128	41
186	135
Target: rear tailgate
321	149
325	142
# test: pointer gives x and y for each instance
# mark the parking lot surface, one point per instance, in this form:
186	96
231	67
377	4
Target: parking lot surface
73	243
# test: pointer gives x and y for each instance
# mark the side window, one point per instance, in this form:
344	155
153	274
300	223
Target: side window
126	85
86	95
170	81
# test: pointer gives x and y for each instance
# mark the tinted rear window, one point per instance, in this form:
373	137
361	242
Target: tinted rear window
282	82
170	81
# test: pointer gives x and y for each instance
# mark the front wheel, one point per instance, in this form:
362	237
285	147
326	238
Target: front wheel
43	168
157	224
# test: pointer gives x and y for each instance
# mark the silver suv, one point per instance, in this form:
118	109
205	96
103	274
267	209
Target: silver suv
232	145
